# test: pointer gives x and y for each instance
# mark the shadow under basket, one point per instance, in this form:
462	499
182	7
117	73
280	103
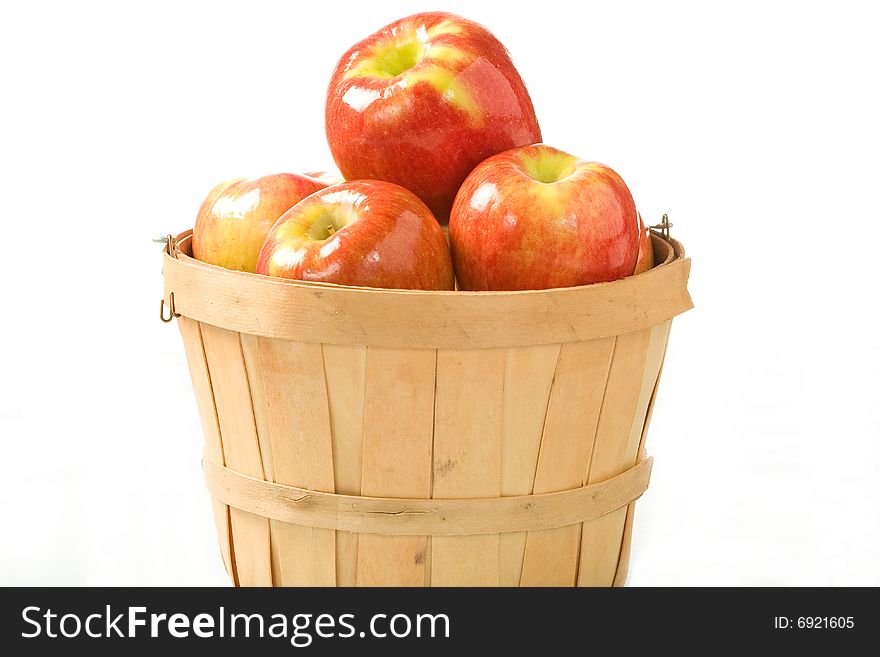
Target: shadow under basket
364	437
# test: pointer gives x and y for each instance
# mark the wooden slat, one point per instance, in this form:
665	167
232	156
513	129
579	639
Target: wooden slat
467	458
201	381
551	556
398	424
298	422
345	370
613	452
641	422
650	411
250	352
528	376
241	450
625	546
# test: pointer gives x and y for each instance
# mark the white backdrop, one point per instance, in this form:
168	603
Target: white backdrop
754	126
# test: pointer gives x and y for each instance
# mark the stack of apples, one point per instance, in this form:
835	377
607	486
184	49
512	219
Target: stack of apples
430	125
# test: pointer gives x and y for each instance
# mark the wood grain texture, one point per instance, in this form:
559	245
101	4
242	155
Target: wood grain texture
398	426
653	398
659	336
241	450
528	376
397	516
191	333
253	367
467	458
625	547
345	372
601	538
278	308
551	556
298	422
639	431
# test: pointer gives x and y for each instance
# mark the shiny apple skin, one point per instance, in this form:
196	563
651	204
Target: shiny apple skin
645	260
391	241
405	130
508	231
329	177
236	216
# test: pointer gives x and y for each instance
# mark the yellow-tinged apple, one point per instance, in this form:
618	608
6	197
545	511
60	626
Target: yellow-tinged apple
237	214
645	260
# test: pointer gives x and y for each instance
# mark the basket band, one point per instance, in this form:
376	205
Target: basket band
438	517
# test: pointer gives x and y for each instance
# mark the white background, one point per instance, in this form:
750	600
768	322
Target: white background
755	126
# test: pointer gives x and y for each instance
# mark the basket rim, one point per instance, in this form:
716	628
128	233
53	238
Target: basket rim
432	319
675	252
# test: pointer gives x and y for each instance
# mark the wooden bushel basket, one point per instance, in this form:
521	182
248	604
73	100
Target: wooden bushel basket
361	437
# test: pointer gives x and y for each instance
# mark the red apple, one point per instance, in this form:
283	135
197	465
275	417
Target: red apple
645	260
369	233
535	217
424	100
236	215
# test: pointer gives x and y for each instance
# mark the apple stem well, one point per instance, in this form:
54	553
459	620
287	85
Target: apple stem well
550	167
389	60
325	227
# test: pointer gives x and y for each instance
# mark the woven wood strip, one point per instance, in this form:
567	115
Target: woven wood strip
437	517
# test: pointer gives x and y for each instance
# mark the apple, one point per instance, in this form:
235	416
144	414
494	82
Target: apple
645	261
237	214
535	217
369	233
424	100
